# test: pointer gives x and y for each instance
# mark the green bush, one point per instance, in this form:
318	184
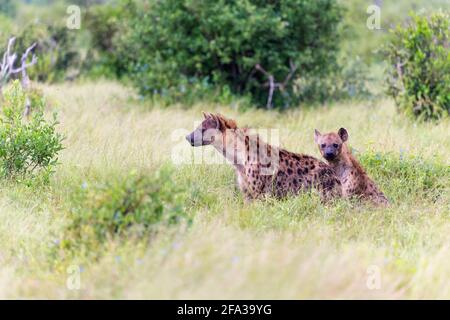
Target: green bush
349	81
6	30
174	46
27	146
136	207
419	66
105	58
8	8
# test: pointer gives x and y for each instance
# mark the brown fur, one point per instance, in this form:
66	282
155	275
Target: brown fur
354	180
263	169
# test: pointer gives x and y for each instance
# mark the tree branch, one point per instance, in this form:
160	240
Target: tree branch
7	69
276	85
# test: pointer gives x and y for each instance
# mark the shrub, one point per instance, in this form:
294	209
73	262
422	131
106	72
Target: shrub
137	207
349	81
419	66
27	146
105	57
8	8
177	45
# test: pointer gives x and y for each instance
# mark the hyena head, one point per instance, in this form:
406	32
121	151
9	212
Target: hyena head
211	129
330	144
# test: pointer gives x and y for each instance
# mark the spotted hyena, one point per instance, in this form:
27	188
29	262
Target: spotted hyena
263	169
354	180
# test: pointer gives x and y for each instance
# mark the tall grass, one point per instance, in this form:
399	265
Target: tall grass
291	248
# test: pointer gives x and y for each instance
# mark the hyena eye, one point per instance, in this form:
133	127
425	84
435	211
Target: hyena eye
323	145
335	145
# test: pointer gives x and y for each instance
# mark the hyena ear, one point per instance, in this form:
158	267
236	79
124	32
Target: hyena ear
225	123
212	117
317	135
343	134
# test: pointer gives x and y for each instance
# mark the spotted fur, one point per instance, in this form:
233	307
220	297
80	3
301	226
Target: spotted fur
354	180
263	169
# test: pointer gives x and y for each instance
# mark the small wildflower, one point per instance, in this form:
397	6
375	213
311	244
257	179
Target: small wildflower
176	245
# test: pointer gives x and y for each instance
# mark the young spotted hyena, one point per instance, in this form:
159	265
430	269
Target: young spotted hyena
263	169
354	180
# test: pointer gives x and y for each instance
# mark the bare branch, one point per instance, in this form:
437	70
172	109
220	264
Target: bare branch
293	68
276	85
7	69
6	56
399	66
271	90
259	68
8	61
25	79
24	60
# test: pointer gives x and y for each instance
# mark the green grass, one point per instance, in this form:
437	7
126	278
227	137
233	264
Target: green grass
291	248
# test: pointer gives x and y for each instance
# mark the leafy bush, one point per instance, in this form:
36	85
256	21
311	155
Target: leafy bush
350	80
8	7
136	206
174	46
27	146
6	30
419	66
105	23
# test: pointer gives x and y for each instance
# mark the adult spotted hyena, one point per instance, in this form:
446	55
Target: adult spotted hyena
263	169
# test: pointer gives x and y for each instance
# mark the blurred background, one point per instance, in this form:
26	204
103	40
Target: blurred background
186	51
89	187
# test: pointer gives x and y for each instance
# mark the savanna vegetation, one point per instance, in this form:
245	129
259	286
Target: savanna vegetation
93	205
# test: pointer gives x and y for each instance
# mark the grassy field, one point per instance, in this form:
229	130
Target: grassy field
292	248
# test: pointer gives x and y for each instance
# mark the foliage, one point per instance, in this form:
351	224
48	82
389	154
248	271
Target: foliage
137	206
56	49
359	40
176	45
106	23
8	8
419	66
349	81
6	30
27	146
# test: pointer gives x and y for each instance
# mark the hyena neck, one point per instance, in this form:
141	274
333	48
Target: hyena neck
231	147
345	159
348	161
257	151
243	149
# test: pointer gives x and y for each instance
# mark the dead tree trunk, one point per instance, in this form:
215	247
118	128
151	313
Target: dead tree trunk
7	69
